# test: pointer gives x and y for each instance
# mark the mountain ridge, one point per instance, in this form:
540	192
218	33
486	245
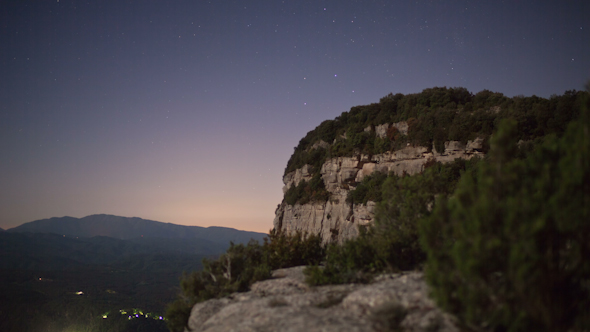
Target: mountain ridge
125	228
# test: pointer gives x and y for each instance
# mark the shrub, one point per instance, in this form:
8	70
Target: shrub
381	145
368	190
407	200
392	242
241	266
313	190
283	250
233	271
506	251
353	261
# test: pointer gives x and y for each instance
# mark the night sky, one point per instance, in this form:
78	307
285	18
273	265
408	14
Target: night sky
187	111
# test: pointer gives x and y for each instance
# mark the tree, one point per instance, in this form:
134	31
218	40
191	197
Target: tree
506	250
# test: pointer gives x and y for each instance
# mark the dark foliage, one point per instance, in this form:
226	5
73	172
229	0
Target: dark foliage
506	252
434	116
392	242
241	266
368	190
305	192
350	262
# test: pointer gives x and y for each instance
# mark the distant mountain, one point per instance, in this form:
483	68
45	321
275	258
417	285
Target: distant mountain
131	228
114	262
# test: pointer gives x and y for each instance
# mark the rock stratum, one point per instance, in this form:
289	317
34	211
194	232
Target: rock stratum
286	303
337	220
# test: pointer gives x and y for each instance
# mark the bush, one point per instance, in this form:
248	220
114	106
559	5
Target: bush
241	266
234	271
353	261
392	243
407	200
305	192
293	250
368	190
507	251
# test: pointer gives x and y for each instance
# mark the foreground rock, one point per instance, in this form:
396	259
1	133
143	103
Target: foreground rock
286	303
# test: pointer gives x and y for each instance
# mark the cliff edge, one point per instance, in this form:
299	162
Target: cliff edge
338	220
286	303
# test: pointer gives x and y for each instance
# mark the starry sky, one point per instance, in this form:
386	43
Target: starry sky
187	111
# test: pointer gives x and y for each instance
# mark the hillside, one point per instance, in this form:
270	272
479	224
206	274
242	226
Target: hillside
332	181
64	273
45	251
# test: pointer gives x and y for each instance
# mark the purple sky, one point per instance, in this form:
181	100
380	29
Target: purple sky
187	111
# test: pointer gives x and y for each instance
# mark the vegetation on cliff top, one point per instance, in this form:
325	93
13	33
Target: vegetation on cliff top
305	192
434	116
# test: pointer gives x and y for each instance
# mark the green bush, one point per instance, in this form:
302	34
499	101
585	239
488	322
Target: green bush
241	266
313	190
392	243
301	157
434	116
368	190
283	251
407	200
234	271
382	145
508	250
353	261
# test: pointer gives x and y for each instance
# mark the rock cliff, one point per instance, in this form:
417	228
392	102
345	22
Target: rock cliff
286	303
337	220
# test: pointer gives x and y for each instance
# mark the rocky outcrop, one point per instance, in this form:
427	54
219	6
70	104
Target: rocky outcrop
286	303
336	220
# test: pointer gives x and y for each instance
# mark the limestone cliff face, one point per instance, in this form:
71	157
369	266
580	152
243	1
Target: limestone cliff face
336	220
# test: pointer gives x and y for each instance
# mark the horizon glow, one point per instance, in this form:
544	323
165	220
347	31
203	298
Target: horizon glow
188	113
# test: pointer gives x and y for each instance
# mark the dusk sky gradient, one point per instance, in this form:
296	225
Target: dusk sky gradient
187	111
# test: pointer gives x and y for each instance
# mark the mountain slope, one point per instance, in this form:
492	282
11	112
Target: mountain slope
42	251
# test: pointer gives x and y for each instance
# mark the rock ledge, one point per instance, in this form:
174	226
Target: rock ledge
286	303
